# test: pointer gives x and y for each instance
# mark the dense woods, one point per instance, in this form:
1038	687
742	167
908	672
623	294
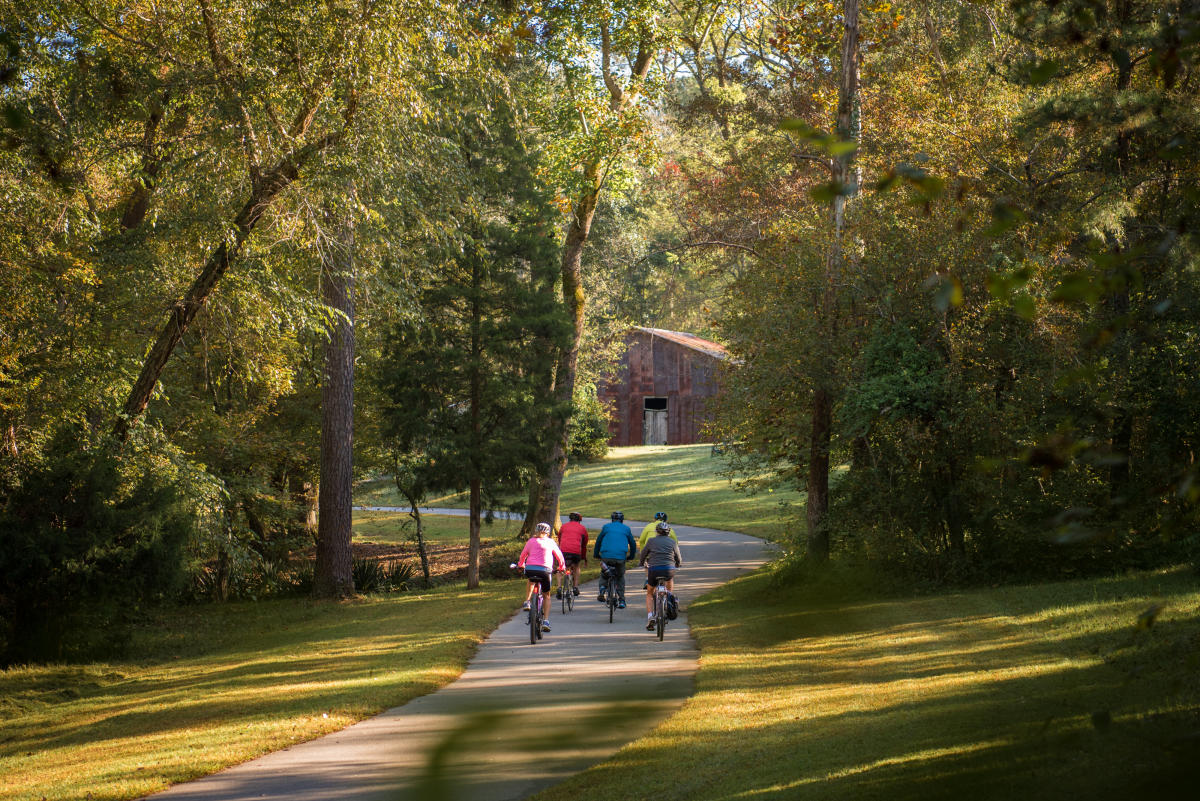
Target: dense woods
951	245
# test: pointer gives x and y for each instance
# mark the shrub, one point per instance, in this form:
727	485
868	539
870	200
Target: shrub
87	535
369	575
588	428
398	575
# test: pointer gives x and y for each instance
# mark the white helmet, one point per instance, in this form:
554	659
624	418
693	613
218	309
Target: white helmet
542	530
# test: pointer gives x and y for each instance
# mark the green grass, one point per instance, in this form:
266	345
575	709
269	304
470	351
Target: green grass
397	527
219	684
1036	692
680	480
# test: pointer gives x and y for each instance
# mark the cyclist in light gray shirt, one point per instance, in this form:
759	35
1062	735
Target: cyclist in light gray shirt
662	557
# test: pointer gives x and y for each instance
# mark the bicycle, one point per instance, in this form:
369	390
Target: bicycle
565	586
536	612
610	596
660	606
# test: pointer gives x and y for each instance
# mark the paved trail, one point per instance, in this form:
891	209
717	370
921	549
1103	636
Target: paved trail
521	717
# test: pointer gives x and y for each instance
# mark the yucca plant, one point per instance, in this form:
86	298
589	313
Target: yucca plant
398	575
369	575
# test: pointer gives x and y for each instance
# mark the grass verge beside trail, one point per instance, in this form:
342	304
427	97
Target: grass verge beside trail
1038	692
681	480
221	684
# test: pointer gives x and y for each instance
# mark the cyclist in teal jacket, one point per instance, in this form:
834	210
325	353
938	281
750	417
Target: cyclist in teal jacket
615	546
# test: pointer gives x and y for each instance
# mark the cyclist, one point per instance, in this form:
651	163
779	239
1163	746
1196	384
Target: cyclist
662	558
615	546
573	540
648	531
539	558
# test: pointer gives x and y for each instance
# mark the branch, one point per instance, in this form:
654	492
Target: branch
616	95
223	67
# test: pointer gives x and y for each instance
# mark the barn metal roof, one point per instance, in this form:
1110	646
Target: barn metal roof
689	341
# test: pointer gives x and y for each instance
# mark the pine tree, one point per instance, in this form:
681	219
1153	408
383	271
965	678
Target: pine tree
469	379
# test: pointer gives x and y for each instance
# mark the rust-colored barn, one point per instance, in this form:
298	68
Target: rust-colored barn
662	391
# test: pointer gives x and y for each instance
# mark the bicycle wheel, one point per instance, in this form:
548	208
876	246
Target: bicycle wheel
535	625
660	612
612	605
566	592
569	594
541	616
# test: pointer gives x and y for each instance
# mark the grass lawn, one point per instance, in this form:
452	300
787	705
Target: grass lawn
216	685
395	528
1039	692
681	480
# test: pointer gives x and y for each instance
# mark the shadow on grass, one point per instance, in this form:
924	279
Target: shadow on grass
989	695
275	660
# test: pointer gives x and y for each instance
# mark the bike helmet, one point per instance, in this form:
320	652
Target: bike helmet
663	528
618	517
575	516
660	516
542	530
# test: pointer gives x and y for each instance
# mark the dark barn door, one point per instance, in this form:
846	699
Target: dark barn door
654	421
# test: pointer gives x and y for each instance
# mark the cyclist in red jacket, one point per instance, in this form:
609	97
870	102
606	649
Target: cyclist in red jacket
572	541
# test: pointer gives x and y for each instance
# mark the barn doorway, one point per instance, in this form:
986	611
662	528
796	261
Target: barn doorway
654	421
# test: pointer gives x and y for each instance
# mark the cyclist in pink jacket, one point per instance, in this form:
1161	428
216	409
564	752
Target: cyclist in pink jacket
539	558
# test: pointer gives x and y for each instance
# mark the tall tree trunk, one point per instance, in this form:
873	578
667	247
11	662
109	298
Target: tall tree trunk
473	549
568	359
817	504
580	226
476	401
334	568
533	508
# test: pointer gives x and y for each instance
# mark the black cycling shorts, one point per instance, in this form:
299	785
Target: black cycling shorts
653	574
572	559
541	575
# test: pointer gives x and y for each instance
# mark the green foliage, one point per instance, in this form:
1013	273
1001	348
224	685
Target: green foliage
467	378
88	535
588	428
1010	345
369	575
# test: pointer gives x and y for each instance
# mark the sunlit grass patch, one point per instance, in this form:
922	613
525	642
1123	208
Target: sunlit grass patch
681	480
1045	692
217	685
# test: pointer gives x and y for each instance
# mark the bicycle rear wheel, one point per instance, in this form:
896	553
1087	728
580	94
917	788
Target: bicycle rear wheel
569	593
565	589
541	616
612	606
534	624
660	613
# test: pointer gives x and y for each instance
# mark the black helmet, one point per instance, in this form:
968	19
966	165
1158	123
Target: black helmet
575	516
660	516
618	517
663	528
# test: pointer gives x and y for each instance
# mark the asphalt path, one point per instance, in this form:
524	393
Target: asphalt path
521	717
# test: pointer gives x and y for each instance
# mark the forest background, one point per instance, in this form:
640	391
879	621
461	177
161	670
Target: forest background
950	245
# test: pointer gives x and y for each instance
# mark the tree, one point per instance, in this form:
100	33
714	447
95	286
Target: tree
333	571
466	380
602	108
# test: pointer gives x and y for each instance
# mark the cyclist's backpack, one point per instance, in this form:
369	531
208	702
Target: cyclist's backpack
672	606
